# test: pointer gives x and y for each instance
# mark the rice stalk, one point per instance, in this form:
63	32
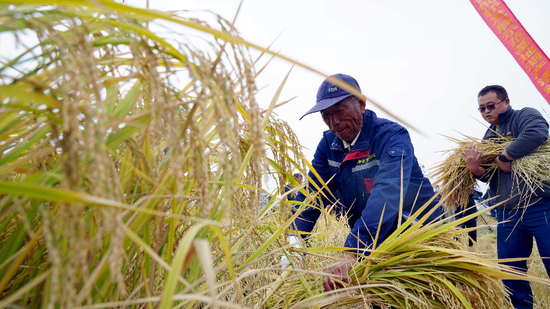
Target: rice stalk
117	142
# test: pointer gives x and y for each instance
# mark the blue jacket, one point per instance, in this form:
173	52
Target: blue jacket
367	179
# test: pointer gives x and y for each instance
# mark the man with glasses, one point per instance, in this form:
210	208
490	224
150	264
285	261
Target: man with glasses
525	213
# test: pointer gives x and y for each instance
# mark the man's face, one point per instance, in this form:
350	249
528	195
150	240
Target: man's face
488	101
344	118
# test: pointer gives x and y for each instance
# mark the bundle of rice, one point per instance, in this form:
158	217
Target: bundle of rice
457	182
418	266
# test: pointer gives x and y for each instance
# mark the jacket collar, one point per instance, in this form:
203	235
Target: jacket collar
364	140
504	116
502	119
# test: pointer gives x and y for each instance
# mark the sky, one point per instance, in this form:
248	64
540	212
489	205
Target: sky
424	61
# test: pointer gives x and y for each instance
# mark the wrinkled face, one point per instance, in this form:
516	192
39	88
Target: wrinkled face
492	106
344	118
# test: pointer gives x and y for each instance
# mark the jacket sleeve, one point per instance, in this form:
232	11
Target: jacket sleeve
307	219
396	154
533	131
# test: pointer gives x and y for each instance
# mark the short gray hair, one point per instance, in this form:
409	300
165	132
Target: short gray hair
355	101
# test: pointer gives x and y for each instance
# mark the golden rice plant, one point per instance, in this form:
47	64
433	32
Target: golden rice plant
457	182
130	145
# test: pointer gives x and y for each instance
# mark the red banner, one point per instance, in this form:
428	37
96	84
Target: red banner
519	43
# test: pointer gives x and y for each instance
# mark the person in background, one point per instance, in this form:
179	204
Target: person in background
289	186
522	215
366	160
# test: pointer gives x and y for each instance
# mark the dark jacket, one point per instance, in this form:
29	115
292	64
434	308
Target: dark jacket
368	180
291	196
529	130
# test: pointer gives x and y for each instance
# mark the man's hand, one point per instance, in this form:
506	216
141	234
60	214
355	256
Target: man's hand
472	157
340	270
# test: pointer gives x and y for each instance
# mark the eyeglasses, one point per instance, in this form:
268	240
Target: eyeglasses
490	106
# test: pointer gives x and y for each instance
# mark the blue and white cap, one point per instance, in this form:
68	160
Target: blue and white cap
329	94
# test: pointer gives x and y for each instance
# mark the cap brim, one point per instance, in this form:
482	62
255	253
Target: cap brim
324	104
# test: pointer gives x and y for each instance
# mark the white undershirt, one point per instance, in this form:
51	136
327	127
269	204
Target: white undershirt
349	145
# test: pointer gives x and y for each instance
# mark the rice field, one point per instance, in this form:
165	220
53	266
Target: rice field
132	152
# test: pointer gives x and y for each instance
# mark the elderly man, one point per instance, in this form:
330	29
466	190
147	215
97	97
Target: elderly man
523	215
366	161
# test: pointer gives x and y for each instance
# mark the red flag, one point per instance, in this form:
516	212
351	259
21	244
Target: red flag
519	43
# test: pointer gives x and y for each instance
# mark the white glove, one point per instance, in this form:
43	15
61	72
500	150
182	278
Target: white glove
297	258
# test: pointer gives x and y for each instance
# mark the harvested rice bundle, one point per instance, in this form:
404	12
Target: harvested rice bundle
534	169
457	182
418	266
432	272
